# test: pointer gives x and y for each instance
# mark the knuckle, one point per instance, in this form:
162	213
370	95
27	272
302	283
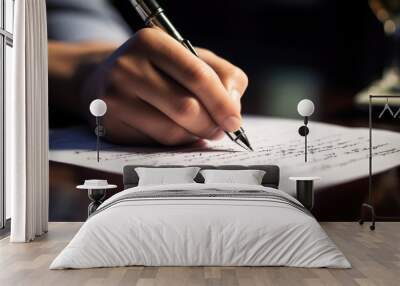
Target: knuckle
118	72
143	36
198	75
239	75
187	107
220	108
244	78
120	64
176	136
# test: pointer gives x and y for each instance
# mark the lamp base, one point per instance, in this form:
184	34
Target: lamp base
305	193
96	197
372	209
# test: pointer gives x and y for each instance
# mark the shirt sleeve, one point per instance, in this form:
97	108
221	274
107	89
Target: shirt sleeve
85	20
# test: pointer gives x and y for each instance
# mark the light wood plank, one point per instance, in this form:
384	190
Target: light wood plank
375	257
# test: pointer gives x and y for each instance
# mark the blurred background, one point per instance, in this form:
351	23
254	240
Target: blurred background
291	49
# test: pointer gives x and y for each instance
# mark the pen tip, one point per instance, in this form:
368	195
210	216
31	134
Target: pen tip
245	144
240	138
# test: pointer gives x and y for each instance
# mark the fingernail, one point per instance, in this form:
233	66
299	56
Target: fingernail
219	134
232	123
213	132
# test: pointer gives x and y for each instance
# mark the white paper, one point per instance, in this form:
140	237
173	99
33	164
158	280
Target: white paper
336	154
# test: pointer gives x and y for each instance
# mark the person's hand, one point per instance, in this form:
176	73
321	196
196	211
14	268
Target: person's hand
156	90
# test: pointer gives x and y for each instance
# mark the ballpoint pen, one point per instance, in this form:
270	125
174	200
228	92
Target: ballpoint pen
153	16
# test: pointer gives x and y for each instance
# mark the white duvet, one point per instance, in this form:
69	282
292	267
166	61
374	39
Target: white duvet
188	231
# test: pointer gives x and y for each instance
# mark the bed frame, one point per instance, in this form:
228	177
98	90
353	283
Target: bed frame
271	177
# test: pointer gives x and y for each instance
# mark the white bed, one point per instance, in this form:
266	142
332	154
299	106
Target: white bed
201	224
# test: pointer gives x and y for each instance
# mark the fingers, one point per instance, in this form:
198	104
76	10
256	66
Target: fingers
165	95
192	73
232	77
161	92
146	120
118	131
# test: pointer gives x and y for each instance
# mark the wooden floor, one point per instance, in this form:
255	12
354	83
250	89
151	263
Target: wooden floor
375	257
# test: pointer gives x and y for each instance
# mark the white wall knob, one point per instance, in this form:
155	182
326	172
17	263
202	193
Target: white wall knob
98	107
305	107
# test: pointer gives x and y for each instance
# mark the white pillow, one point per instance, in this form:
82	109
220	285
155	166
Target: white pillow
248	177
163	176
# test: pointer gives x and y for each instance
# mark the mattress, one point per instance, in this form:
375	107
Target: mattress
201	225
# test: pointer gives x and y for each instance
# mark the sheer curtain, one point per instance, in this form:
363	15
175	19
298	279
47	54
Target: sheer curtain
27	124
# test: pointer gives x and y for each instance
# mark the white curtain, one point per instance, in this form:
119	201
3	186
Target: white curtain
27	123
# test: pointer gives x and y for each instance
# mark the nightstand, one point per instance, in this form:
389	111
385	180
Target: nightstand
305	190
97	190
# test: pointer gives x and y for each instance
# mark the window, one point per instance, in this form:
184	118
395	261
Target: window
6	44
